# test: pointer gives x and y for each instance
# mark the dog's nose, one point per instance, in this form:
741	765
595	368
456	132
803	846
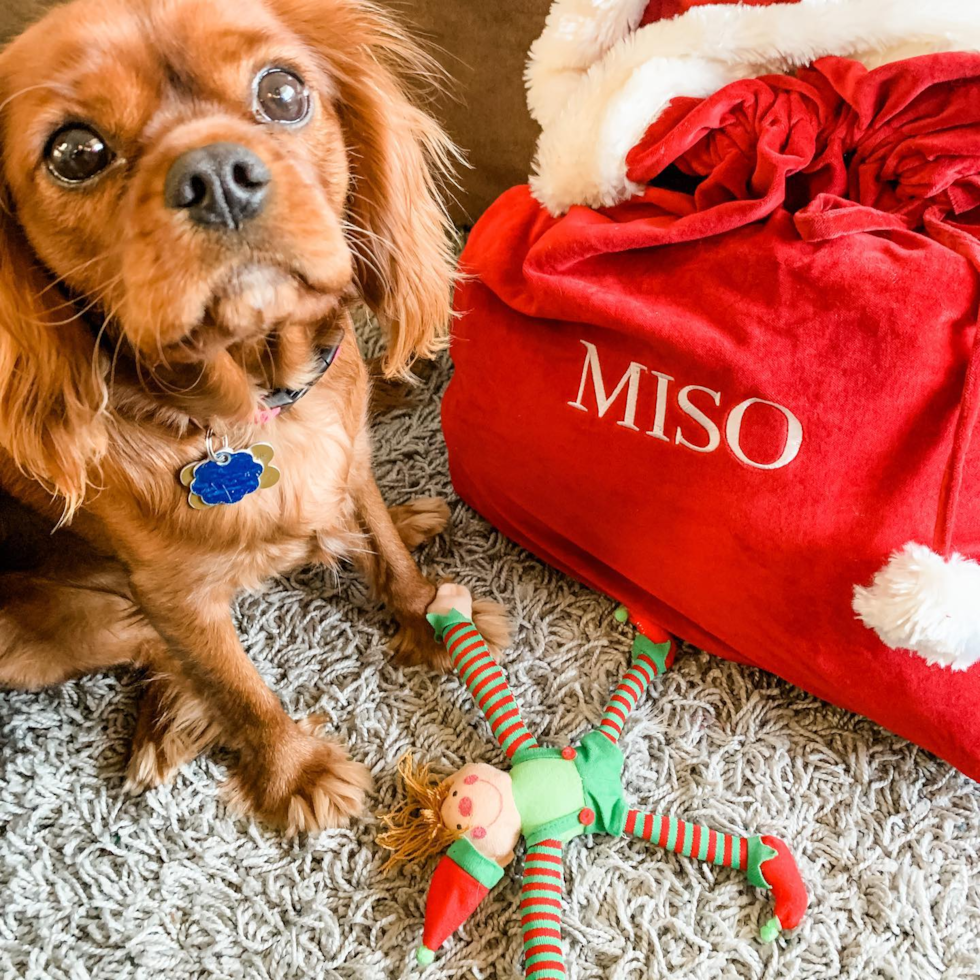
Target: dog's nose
219	186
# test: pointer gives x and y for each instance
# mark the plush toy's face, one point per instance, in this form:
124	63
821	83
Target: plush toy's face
481	804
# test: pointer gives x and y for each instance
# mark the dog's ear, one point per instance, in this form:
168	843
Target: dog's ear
399	157
52	391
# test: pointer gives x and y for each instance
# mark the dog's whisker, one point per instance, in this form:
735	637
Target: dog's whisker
366	260
165	385
71	272
267	376
170	388
28	88
115	360
98	296
96	350
367	232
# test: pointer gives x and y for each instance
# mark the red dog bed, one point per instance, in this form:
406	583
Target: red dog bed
728	399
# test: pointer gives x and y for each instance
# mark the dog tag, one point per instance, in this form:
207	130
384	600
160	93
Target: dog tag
228	476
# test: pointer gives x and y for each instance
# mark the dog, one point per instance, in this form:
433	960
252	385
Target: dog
195	195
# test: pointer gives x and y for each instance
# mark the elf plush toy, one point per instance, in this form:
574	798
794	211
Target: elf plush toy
550	796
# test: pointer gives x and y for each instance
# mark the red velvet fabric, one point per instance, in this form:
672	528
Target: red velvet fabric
804	250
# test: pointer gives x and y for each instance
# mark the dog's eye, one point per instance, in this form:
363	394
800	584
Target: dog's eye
282	97
76	154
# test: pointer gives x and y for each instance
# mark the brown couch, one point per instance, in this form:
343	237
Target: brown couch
15	15
482	45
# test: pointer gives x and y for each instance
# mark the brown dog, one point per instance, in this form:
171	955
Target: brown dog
194	194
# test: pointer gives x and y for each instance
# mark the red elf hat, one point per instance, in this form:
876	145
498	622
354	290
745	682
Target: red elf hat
462	879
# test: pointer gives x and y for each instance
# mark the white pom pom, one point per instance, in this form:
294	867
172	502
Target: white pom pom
925	603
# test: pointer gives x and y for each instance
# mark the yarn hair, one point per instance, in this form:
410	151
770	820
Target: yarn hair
414	830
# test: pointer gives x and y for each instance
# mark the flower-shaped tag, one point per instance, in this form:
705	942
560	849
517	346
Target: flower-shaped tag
226	477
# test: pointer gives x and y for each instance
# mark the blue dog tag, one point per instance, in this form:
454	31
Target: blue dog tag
228	476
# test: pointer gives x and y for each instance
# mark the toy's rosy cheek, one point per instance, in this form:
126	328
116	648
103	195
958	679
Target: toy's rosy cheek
478	833
471	779
465	806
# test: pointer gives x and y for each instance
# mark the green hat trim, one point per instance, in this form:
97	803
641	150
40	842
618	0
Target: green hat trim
475	864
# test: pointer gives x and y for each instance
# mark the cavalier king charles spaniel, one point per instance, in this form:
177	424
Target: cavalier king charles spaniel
194	195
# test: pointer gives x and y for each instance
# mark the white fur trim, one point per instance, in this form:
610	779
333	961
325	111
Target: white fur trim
924	603
596	84
577	33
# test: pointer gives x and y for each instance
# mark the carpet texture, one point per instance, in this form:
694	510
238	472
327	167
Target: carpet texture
95	885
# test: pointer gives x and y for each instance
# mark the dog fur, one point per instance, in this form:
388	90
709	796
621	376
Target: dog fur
126	332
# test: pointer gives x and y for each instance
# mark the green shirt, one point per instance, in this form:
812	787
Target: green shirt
552	792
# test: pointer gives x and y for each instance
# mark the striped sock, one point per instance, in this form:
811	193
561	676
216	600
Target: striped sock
541	911
487	683
631	688
689	839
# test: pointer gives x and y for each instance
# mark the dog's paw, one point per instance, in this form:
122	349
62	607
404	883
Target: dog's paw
306	784
415	645
152	764
420	520
172	730
491	619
